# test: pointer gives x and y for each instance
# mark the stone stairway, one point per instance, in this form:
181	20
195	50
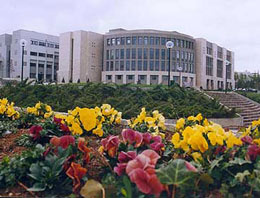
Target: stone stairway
248	109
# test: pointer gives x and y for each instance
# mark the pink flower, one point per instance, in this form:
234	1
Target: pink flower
63	127
132	136
220	150
141	171
147	138
35	132
57	120
157	144
253	151
124	158
190	167
247	140
110	145
66	140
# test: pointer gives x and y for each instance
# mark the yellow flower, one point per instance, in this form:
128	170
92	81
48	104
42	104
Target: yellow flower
232	140
187	133
199	117
257	141
38	105
106	109
198	142
206	122
180	123
101	149
197	156
4	101
47	115
88	118
118	118
98	131
255	123
32	110
159	134
2	109
192	118
48	108
76	129
213	138
175	140
60	116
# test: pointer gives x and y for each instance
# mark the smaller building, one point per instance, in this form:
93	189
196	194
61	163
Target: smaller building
5	51
41	56
81	57
214	66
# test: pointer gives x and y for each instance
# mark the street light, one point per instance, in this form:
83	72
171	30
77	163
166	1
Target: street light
23	43
227	63
180	70
169	45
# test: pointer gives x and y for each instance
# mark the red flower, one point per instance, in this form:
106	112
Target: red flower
124	158
82	146
35	132
55	141
62	126
157	144
247	140
253	151
110	145
147	138
76	172
63	141
141	171
68	162
57	120
220	150
132	136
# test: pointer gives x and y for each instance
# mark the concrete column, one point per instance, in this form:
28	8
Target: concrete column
148	79
124	78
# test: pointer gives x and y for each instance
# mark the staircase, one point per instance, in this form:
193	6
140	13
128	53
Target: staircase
248	109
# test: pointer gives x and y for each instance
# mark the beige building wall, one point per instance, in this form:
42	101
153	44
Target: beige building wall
80	56
213	82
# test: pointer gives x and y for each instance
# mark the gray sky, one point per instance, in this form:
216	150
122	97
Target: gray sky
233	24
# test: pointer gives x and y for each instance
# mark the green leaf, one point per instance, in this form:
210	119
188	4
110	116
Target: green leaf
239	161
241	176
128	186
177	174
38	187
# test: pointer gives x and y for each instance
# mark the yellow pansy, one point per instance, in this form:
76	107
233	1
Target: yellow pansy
232	140
197	156
48	108
199	117
88	118
38	105
98	131
176	140
180	123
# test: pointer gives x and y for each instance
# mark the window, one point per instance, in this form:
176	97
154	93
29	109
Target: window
145	40
151	65
49	55
157	53
219	68
107	66
117	53
109	77
122	40
163	41
113	41
127	65
220	52
182	55
228	71
145	65
133	64
117	41
128	40
57	46
50	45
112	66
121	65
173	66
133	53
163	54
173	54
139	53
128	53
41	54
162	65
108	42
42	43
33	53
112	55
107	54
116	66
134	40
151	53
130	77
209	51
156	65
122	53
209	66
178	42
140	40
119	77
139	65
145	53
151	40
34	42
157	41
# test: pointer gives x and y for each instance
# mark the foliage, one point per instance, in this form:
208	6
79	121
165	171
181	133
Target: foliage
173	102
251	95
245	81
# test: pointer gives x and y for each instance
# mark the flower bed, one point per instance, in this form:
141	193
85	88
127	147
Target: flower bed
87	153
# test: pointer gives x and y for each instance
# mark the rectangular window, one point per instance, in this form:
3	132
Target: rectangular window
182	55
139	53
113	40
163	54
162	65
112	66
127	65
139	65
121	65
128	40
145	53
228	71
151	65
108	42
33	53
157	53
133	53
41	54
122	53
145	65
107	54
209	66
140	40
145	40
134	40
178	42
151	53
42	43
128	53
163	41
157	41
219	68
173	54
117	53
116	65
112	54
122	40
133	65
117	41
49	55
156	65
107	66
151	40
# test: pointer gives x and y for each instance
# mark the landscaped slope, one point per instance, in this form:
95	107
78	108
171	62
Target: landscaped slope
173	102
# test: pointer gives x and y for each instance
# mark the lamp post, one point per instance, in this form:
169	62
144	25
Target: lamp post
169	45
227	64
23	43
180	70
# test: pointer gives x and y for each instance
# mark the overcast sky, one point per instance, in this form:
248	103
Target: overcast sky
233	24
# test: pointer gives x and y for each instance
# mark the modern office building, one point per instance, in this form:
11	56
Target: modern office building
41	56
81	55
5	50
214	66
141	56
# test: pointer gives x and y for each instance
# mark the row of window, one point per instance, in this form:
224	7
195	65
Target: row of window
143	66
146	40
142	53
41	65
219	53
44	55
45	44
40	77
209	68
